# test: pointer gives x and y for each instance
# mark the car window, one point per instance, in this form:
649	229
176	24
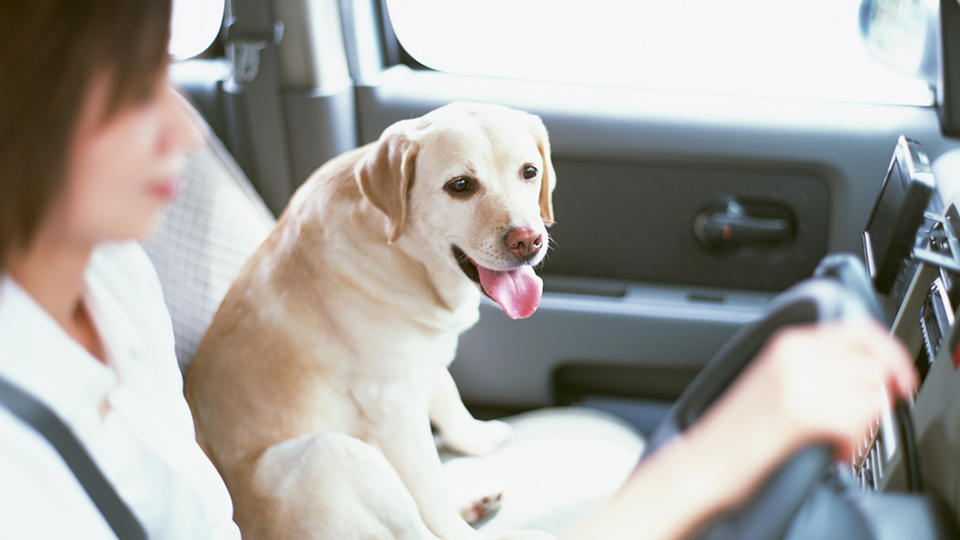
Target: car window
776	48
193	27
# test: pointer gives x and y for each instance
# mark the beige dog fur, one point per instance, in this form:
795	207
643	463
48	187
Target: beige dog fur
314	387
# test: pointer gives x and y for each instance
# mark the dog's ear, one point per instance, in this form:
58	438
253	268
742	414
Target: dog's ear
549	179
385	175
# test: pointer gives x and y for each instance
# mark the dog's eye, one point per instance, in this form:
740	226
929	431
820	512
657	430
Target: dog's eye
460	186
529	172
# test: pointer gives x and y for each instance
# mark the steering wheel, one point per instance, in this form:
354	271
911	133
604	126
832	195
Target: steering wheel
839	290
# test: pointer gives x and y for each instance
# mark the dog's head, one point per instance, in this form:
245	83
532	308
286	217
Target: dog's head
469	186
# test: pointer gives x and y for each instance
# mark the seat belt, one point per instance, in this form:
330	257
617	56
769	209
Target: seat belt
31	411
255	117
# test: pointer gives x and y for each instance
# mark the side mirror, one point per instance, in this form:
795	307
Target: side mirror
902	35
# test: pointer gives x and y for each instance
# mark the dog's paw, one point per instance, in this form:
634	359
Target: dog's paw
481	510
521	535
477	438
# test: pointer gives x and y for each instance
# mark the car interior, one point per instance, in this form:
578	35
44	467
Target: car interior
690	226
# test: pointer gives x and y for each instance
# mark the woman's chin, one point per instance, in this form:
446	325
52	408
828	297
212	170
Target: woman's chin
140	228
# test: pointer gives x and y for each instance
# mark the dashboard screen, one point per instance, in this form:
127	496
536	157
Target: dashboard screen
882	220
889	235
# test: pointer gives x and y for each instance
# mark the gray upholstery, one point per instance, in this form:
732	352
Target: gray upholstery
206	236
558	465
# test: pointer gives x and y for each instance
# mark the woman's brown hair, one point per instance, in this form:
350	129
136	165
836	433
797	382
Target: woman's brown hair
50	51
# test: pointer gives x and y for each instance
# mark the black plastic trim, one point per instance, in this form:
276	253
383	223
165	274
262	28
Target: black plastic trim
948	68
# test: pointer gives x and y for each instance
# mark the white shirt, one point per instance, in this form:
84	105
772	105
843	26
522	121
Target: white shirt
145	444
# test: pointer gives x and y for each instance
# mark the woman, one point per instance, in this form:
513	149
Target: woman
91	140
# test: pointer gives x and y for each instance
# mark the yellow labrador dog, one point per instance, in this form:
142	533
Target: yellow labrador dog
314	388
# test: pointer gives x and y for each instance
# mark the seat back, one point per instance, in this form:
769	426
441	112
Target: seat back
205	238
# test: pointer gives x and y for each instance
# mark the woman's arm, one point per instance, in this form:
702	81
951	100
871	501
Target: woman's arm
808	384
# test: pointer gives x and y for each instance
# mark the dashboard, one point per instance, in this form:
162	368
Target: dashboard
915	223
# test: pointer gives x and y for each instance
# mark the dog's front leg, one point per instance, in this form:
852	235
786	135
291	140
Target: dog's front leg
409	446
460	430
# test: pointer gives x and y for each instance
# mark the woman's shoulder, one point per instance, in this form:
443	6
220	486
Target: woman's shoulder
122	274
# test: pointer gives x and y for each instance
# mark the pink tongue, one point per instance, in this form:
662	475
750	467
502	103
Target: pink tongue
517	291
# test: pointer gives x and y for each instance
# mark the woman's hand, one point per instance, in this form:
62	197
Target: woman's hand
823	382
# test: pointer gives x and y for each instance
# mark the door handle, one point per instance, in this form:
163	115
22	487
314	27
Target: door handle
733	225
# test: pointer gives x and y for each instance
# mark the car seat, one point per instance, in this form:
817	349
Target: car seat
559	461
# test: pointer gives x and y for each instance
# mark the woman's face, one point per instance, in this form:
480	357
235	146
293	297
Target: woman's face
122	170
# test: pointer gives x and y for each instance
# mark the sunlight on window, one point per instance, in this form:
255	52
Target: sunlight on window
810	49
194	25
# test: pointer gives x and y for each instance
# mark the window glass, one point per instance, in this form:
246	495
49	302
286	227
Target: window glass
808	49
193	27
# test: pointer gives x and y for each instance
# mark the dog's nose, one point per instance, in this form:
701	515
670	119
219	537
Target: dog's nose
523	242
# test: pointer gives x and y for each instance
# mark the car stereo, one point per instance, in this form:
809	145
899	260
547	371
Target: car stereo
890	234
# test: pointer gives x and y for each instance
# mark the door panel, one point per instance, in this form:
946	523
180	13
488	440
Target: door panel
659	332
634	169
637	222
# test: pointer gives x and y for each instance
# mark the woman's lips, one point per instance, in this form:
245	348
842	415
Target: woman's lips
166	189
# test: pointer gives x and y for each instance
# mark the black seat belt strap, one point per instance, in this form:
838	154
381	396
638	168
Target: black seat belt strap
30	410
